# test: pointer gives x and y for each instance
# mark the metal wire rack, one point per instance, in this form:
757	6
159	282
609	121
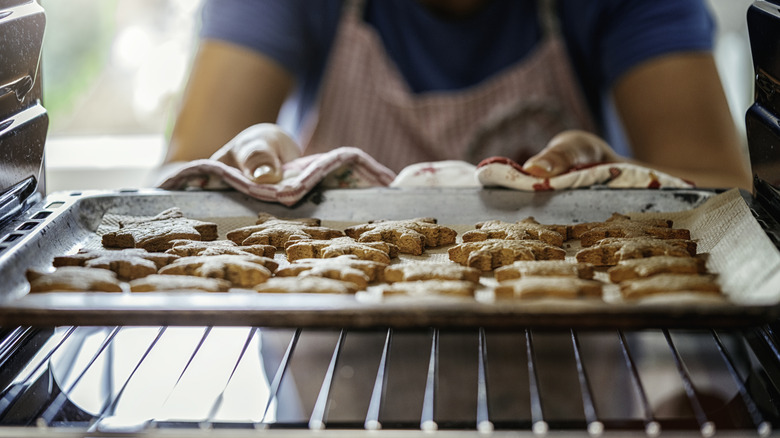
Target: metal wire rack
92	381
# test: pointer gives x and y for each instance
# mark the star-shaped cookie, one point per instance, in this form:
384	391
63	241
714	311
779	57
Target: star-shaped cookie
128	264
619	225
380	252
164	283
156	233
270	230
188	248
493	253
73	279
344	267
526	229
668	284
431	288
431	271
647	267
411	236
610	251
311	284
549	287
240	270
544	268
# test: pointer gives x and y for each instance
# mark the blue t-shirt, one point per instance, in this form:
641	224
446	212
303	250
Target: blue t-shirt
604	39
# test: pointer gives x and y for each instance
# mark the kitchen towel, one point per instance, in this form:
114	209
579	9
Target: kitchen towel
349	167
503	172
345	167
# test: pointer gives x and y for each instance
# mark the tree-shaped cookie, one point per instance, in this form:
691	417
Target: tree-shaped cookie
411	236
270	230
156	233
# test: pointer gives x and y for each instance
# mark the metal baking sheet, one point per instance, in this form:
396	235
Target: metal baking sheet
64	222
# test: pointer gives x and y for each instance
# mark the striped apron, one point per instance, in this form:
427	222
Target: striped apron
365	102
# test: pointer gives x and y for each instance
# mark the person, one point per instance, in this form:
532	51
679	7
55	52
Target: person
550	84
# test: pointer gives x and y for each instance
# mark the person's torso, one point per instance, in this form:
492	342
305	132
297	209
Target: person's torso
366	100
432	53
604	38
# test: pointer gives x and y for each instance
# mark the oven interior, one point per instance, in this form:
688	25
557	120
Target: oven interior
187	380
234	380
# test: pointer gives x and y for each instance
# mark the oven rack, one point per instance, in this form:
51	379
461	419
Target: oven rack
236	381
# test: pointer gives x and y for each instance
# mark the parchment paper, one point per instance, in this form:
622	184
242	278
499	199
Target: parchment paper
736	248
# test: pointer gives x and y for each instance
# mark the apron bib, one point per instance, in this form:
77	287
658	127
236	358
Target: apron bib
365	102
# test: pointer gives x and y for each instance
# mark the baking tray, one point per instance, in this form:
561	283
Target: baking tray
64	222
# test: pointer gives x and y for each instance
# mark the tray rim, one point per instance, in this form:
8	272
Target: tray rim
363	316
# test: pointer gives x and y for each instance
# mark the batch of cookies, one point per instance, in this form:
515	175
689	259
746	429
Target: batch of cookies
524	259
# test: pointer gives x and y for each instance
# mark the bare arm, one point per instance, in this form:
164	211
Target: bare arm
230	88
677	120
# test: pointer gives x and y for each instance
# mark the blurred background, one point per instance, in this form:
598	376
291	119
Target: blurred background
113	70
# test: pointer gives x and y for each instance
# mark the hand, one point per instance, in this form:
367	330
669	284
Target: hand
259	152
567	150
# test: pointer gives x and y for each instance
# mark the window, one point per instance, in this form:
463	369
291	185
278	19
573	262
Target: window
111	74
114	67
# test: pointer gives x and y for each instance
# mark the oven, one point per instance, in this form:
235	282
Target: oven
193	364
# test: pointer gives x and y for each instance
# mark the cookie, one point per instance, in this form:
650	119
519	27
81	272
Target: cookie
411	236
624	227
610	251
317	285
239	270
380	252
345	268
156	233
188	248
526	229
73	279
430	271
647	267
270	230
493	253
423	288
577	230
549	287
163	283
669	283
127	264
544	268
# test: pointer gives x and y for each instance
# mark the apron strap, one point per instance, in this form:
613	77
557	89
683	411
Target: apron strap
353	8
548	17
